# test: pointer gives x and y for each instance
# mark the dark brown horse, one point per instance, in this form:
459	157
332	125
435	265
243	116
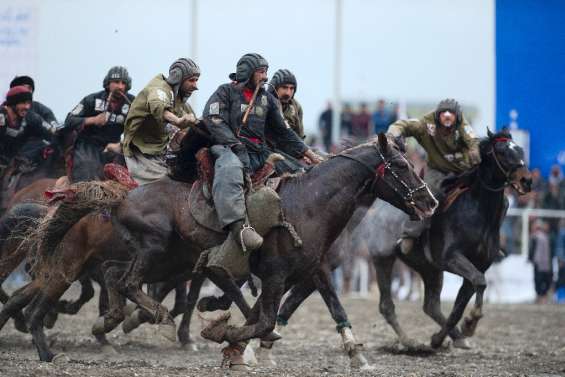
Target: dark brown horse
151	219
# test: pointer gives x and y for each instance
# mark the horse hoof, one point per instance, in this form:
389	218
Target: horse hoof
129	309
131	322
108	349
265	357
239	368
249	356
98	327
60	358
167	331
358	361
273	336
437	340
192	347
462	343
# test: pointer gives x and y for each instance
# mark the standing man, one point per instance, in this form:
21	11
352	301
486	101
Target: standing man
239	115
285	86
451	148
97	123
157	113
37	107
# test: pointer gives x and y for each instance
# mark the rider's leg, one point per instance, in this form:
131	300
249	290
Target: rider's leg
412	229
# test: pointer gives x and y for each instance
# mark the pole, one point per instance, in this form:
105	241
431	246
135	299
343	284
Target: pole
194	46
336	103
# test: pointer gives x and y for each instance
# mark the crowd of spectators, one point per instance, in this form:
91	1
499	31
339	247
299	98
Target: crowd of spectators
547	235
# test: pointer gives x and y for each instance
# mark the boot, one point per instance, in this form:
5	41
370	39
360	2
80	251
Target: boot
249	239
406	245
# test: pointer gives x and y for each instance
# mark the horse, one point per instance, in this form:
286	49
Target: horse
479	210
331	192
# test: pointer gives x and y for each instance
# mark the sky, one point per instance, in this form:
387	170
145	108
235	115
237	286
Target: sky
405	50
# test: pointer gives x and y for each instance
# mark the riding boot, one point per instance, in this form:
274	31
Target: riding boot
232	256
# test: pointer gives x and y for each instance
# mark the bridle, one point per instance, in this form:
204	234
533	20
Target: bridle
505	172
384	166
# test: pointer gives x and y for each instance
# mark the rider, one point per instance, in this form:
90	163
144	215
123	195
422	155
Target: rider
36	107
240	147
158	112
285	85
451	148
98	121
21	134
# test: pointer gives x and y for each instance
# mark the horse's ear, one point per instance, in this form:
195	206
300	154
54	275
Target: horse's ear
489	133
383	142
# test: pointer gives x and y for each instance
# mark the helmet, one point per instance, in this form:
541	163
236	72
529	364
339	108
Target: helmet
18	94
182	69
452	106
247	65
283	76
23	80
117	73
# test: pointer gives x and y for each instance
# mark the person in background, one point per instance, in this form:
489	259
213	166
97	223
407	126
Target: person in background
540	257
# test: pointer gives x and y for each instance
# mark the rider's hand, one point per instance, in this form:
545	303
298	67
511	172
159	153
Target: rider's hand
113	147
187	120
474	157
98	120
312	157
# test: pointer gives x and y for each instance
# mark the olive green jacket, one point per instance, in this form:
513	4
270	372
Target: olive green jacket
292	112
145	125
448	153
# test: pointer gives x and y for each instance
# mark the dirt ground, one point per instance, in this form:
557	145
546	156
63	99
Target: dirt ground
512	340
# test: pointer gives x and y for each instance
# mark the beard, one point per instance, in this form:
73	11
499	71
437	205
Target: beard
285	99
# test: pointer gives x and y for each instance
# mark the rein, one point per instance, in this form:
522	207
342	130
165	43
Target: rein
380	170
505	172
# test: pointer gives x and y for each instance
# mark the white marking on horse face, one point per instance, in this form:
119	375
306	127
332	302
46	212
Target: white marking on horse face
513	146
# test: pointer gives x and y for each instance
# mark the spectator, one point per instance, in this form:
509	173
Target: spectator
538	187
347	120
560	255
382	118
325	126
540	257
361	123
555	176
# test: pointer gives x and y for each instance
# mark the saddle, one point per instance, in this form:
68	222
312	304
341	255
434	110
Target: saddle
262	201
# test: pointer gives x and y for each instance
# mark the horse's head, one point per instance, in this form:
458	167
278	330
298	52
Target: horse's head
508	162
397	182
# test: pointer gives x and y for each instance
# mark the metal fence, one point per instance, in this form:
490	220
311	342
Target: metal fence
524	215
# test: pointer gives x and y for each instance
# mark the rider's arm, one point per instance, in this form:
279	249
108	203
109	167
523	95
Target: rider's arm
38	127
45	113
81	115
284	137
471	141
405	128
217	118
300	125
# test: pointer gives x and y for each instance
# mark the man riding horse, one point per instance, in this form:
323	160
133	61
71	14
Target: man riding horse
156	115
240	116
24	137
97	123
451	148
284	85
37	107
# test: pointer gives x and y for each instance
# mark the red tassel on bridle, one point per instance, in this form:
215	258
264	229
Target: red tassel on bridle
380	171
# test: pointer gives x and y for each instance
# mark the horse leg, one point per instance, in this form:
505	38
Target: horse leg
433	283
18	316
324	284
474	281
231	289
181	297
383	267
183	332
19	299
112	311
298	294
103	308
86	294
470	323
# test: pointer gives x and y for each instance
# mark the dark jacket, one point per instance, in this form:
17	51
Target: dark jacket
93	105
224	113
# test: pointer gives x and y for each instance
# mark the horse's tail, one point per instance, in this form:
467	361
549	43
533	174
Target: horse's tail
14	226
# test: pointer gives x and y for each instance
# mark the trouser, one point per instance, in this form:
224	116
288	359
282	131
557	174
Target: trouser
413	228
145	168
227	189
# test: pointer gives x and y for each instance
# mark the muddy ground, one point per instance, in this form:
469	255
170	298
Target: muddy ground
512	340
